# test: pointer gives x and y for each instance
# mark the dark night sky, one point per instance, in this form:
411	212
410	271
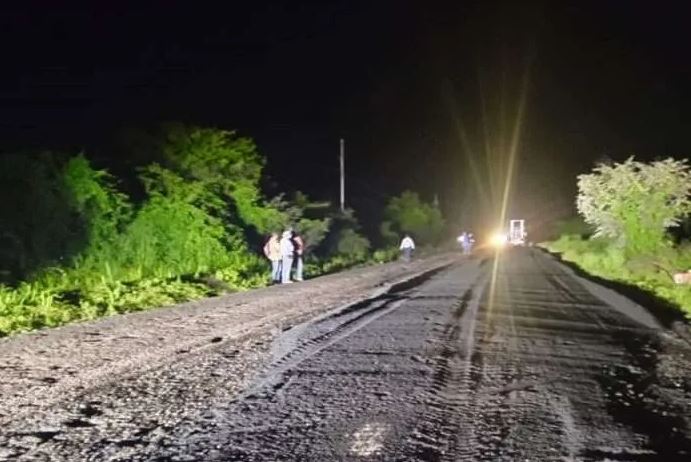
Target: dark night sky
397	79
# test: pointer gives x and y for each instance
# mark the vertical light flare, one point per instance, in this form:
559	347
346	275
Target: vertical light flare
513	149
466	146
487	141
500	152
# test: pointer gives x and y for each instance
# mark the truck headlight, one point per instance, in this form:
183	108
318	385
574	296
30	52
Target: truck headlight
498	239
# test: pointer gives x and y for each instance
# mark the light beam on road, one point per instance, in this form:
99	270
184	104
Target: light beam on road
368	440
508	179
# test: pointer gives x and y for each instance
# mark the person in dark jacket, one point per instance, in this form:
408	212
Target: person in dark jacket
299	245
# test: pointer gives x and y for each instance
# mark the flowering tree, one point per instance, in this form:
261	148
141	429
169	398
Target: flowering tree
634	203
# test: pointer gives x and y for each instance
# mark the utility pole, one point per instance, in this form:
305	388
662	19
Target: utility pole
342	162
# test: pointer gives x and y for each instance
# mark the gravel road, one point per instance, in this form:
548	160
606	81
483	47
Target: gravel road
100	390
528	362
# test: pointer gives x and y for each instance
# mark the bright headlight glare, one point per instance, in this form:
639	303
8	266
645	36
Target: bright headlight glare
498	239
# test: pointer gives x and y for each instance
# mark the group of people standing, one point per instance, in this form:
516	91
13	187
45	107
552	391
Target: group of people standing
466	241
283	252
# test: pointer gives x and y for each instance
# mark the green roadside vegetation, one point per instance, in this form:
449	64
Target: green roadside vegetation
635	227
78	242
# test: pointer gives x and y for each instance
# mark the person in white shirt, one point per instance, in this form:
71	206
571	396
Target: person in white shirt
462	240
287	255
407	247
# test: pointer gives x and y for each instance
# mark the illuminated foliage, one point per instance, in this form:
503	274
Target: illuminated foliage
75	247
345	238
350	242
102	208
634	203
649	272
225	163
408	214
304	216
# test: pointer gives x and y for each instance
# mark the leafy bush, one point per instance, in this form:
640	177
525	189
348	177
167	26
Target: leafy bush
634	203
385	255
177	230
574	226
38	224
652	272
408	214
353	244
117	297
226	164
31	306
306	217
102	208
88	250
244	271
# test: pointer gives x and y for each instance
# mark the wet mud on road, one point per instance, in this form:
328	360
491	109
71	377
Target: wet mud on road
536	369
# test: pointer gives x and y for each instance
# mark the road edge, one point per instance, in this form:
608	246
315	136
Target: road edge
617	294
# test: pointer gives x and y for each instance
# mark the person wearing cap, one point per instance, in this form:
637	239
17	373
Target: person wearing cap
287	254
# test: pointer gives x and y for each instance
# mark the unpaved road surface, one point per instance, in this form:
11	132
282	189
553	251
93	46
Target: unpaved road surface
509	359
102	390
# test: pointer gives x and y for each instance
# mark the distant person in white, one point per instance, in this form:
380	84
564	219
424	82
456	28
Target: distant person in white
407	247
287	255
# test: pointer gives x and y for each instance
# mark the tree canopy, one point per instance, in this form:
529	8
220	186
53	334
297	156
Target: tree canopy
634	203
407	213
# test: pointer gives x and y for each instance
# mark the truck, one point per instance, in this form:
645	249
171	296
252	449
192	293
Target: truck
517	233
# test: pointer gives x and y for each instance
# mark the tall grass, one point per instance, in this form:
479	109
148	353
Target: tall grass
652	272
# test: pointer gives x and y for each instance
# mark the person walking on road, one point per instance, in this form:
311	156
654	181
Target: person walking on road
462	240
407	247
299	245
272	251
467	240
287	254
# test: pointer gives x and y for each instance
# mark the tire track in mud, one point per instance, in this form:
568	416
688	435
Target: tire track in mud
299	396
471	400
307	339
452	383
330	331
